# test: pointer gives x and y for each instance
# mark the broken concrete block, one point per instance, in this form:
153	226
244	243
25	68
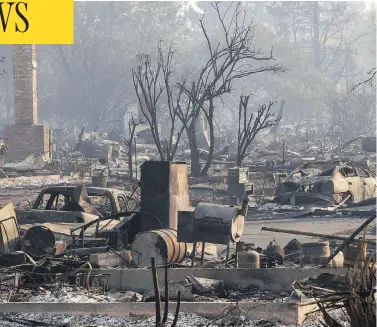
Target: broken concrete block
110	259
207	286
184	286
131	297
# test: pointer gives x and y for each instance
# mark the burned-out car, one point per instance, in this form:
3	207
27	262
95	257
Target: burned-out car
332	181
56	204
106	200
69	210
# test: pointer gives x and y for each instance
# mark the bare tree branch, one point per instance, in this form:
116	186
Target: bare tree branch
372	74
155	90
234	58
249	125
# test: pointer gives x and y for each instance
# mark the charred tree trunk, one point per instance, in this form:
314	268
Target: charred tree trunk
239	159
195	159
130	164
129	143
211	138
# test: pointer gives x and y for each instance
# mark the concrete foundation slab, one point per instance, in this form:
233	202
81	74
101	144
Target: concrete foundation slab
270	279
285	313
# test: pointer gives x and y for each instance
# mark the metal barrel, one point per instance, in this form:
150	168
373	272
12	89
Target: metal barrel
160	244
39	241
315	252
352	253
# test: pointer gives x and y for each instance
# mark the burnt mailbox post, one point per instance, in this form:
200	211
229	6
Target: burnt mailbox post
238	182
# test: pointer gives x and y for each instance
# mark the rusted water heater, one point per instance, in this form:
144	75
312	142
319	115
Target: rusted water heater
212	223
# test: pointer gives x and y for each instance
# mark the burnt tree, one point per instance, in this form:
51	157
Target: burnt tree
159	97
128	142
250	124
231	59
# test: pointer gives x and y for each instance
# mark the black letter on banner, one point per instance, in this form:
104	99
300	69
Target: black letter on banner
4	22
22	17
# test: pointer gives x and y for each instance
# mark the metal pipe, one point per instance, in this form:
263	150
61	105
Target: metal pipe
227	254
331	237
350	238
203	250
193	255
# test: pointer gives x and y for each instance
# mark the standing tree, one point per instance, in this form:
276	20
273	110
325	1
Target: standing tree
132	124
231	59
352	112
154	89
249	125
330	32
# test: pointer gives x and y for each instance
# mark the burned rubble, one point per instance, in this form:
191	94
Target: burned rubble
63	248
74	233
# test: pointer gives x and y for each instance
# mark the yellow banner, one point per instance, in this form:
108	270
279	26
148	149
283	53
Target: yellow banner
36	22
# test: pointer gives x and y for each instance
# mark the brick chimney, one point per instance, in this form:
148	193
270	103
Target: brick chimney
26	136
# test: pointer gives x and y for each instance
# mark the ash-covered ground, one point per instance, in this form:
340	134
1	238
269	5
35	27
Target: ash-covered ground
185	320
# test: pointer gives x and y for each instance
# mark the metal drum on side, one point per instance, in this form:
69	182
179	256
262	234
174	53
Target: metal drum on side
161	244
217	223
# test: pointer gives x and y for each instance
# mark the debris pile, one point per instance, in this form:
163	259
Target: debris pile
64	246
